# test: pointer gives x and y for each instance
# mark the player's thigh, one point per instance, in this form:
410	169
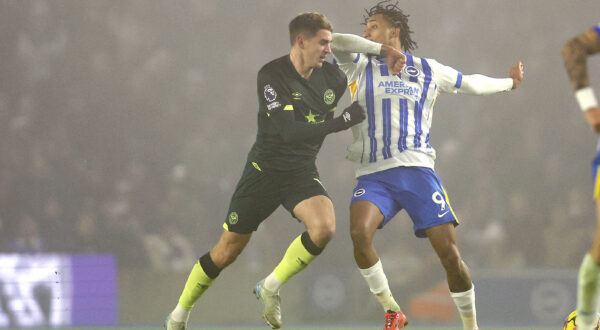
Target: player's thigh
317	213
372	204
254	199
365	217
426	201
305	197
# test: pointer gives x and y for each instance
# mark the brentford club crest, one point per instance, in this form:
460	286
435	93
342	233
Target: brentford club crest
329	97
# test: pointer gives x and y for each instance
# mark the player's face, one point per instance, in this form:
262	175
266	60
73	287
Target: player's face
379	30
317	48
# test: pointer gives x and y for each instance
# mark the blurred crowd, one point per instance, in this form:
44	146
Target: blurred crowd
94	113
114	140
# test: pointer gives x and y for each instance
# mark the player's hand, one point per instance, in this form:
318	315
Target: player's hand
352	115
592	116
516	73
394	58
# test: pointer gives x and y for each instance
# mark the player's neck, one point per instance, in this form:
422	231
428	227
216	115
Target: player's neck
395	43
303	69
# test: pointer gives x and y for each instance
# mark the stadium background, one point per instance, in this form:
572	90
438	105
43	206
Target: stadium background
124	126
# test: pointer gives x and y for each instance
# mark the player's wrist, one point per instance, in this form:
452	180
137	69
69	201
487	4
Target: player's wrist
383	50
586	98
515	84
338	124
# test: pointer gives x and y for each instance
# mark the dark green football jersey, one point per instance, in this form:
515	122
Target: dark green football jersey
287	100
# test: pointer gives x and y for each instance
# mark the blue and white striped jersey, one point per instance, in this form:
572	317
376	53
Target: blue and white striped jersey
399	110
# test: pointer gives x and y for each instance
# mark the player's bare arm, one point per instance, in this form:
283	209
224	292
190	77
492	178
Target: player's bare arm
516	73
575	53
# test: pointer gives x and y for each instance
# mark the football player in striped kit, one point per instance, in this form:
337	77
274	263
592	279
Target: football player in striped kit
575	53
394	153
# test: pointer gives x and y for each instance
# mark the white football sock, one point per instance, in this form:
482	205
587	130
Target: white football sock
465	302
378	284
272	283
180	314
587	290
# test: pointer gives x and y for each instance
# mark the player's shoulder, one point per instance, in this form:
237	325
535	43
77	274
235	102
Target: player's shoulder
275	66
331	67
421	59
333	70
433	64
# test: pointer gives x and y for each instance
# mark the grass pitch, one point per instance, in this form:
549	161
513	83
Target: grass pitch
301	327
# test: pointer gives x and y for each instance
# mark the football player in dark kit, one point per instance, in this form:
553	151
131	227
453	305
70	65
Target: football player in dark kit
297	94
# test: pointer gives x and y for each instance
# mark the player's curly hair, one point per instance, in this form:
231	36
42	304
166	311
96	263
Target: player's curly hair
393	14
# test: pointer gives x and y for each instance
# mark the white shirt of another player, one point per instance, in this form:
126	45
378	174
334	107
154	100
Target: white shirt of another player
399	108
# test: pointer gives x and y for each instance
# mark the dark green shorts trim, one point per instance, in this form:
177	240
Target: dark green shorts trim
259	193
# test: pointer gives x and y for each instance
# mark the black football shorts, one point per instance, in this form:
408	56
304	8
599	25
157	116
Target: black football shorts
259	193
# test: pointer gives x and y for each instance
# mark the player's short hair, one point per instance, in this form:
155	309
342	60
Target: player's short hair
308	24
396	17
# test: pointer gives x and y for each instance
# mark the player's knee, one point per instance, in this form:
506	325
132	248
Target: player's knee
326	233
323	232
360	234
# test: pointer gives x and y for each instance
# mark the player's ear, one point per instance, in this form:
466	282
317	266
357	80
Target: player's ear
300	40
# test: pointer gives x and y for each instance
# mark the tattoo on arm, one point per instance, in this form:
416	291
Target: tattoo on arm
575	53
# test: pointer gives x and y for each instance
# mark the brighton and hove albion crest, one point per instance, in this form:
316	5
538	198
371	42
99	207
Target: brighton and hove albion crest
359	192
412	71
270	94
329	97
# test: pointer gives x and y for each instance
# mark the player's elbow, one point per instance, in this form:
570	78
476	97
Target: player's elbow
566	49
572	50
